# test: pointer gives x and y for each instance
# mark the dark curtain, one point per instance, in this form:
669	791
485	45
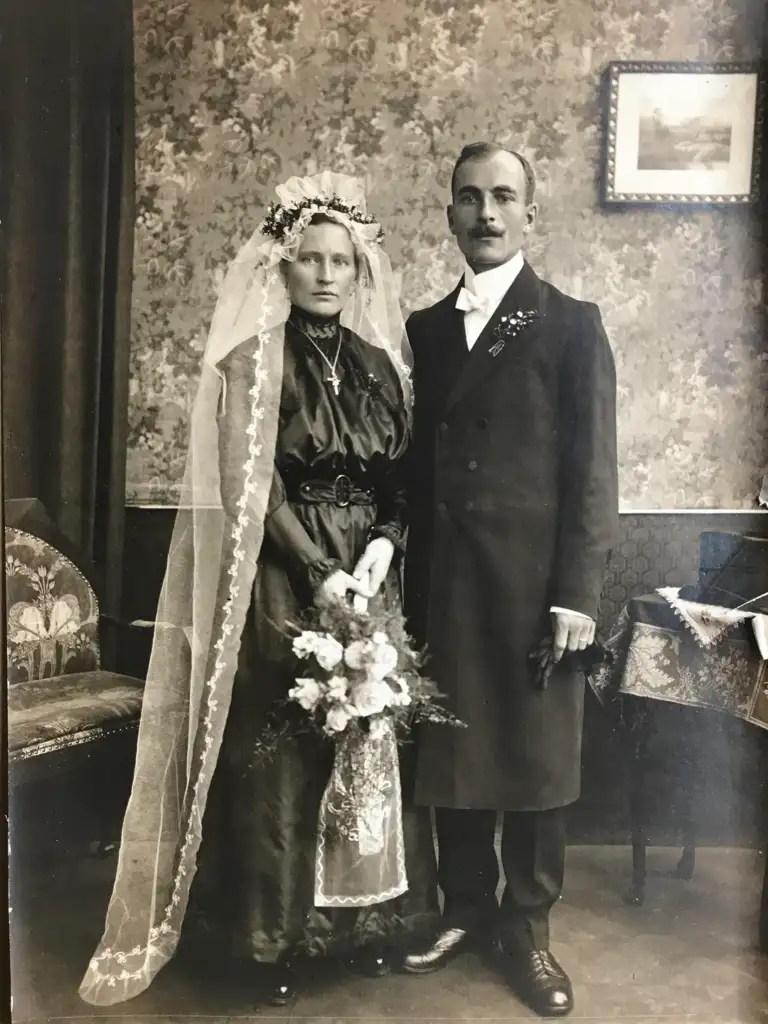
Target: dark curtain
66	69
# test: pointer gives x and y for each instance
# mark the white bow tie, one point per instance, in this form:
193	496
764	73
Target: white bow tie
468	301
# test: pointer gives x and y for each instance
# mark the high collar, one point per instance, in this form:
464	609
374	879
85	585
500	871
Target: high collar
318	328
495	283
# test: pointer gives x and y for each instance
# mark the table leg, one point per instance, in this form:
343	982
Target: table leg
687	862
689	755
640	727
764	908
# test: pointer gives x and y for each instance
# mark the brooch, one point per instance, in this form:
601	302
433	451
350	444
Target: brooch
371	383
510	326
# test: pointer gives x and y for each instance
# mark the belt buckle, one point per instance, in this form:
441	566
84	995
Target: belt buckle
342	487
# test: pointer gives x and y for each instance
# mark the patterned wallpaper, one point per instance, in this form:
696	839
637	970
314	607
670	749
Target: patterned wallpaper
235	96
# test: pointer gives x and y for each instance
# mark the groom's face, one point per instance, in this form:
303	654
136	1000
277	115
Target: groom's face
489	215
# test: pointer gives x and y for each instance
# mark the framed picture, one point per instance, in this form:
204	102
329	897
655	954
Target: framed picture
682	133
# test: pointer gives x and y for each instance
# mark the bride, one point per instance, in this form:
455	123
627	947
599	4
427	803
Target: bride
292	494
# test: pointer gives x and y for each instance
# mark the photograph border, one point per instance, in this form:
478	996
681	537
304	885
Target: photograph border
610	197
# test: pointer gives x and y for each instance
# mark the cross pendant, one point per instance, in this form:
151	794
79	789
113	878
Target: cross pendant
335	381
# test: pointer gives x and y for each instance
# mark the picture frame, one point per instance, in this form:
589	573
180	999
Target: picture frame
683	133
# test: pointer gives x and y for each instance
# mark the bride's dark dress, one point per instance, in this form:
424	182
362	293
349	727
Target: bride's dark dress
257	860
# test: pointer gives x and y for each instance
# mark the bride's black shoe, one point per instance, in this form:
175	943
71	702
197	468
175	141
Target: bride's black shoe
371	962
282	983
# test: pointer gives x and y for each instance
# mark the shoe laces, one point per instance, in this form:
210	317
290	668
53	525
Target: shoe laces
544	965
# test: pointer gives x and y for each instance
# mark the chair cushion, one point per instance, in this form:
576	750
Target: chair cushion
53	613
50	714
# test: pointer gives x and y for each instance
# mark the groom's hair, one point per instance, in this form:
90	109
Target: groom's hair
478	150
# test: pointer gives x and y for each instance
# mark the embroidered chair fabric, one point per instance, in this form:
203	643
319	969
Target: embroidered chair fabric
58	695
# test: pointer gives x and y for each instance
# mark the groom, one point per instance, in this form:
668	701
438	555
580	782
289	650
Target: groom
513	510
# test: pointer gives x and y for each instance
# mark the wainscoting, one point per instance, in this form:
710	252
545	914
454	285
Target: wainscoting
655	549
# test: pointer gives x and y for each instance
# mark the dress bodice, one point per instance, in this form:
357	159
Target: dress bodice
361	432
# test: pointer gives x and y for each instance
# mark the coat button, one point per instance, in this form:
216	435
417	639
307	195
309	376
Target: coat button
469	505
472	464
442	508
443	428
482	423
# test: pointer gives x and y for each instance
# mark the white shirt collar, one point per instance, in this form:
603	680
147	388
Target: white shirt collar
495	283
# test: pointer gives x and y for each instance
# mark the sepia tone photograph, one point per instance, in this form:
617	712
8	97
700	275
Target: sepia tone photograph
385	511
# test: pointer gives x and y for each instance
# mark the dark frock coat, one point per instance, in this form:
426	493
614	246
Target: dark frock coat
512	509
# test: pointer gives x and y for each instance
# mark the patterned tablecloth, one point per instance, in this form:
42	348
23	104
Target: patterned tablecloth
654	655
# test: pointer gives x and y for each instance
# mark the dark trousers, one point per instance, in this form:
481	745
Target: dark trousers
533	856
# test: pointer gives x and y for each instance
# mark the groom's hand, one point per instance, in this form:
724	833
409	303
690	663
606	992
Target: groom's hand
374	564
572	632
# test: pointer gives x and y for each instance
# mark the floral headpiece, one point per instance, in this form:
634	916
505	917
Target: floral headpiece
339	196
281	220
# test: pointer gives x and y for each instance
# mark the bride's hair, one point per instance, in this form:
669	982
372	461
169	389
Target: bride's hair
360	264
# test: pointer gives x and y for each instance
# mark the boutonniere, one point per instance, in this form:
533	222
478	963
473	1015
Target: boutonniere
510	326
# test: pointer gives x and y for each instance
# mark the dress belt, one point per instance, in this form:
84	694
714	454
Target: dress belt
340	492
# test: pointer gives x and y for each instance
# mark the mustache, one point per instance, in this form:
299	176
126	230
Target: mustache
485	233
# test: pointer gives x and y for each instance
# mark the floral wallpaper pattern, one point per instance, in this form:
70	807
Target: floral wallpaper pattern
235	95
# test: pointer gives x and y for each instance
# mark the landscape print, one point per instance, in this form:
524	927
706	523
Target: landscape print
671	140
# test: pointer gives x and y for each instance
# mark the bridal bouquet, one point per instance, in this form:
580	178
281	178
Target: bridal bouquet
362	673
359	683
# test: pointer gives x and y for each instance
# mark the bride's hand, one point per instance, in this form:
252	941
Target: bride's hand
374	564
338	585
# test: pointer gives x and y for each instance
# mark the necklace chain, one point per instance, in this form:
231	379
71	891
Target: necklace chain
333	379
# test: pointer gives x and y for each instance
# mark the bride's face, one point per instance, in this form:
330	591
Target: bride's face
321	279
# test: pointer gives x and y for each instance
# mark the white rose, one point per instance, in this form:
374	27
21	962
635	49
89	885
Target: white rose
357	654
384	661
328	652
305	644
380	638
336	720
306	692
337	688
370	698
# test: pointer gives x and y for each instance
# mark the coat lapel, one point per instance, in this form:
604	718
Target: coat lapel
500	334
449	350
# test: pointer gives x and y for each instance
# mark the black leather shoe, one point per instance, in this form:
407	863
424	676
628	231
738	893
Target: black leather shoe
282	984
371	962
433	957
540	981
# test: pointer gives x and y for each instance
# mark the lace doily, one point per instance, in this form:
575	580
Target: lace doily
709	623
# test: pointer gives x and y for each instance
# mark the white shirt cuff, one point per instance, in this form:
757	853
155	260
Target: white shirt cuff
570	611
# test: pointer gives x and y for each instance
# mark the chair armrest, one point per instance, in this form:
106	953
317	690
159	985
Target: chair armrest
125	645
110	620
